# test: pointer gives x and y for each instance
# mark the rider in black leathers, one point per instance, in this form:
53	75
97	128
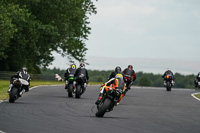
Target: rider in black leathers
68	72
20	74
166	73
197	80
82	71
118	70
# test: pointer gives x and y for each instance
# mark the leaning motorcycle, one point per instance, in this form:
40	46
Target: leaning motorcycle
18	85
198	84
109	100
168	80
70	86
128	80
80	88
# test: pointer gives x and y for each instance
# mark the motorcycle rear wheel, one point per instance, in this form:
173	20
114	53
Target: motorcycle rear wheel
13	95
103	108
78	91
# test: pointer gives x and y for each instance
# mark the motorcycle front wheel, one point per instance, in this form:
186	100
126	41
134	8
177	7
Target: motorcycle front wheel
13	95
70	90
168	86
103	107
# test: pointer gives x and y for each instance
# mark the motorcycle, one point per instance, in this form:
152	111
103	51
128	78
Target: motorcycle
80	88
18	85
198	85
109	100
128	80
70	86
168	80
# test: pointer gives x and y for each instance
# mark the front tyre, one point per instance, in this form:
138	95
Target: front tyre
13	95
70	90
78	91
103	107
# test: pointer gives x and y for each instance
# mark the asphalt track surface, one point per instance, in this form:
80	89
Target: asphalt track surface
47	109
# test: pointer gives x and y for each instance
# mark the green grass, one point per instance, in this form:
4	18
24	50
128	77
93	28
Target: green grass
197	95
4	85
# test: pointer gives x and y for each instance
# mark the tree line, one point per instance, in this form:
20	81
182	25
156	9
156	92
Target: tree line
30	30
142	79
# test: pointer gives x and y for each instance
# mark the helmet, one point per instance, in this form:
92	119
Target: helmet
73	66
82	65
24	69
130	66
118	69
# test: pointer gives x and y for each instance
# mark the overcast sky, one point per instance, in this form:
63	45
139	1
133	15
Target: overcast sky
152	35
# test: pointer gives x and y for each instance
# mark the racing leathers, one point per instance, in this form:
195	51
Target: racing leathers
129	76
116	83
168	72
83	73
197	79
69	73
20	74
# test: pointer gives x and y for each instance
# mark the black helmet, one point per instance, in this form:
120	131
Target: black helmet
118	69
73	66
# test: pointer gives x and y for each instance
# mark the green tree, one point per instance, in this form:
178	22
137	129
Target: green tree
39	27
144	81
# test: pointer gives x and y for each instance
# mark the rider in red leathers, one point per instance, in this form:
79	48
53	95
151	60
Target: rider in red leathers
130	76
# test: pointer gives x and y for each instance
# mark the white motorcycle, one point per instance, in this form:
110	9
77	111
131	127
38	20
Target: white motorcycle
17	89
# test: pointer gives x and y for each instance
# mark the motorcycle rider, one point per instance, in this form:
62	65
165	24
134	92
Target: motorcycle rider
166	73
129	72
82	71
68	72
197	80
117	80
114	73
21	74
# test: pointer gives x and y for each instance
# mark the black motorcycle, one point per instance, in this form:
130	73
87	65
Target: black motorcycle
18	85
108	101
80	88
70	86
128	83
197	84
168	81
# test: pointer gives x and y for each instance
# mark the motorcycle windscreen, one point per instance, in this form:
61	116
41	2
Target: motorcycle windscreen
24	82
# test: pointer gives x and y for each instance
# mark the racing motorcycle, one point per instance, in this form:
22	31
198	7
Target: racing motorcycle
128	80
168	81
108	101
80	88
197	84
18	85
70	85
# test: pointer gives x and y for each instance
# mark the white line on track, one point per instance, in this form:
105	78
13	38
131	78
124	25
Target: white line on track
29	89
2	131
193	95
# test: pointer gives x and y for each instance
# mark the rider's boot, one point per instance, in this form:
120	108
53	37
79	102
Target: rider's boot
99	99
10	87
22	92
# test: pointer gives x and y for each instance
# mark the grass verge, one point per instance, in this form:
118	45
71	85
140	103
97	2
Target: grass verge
197	95
4	84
